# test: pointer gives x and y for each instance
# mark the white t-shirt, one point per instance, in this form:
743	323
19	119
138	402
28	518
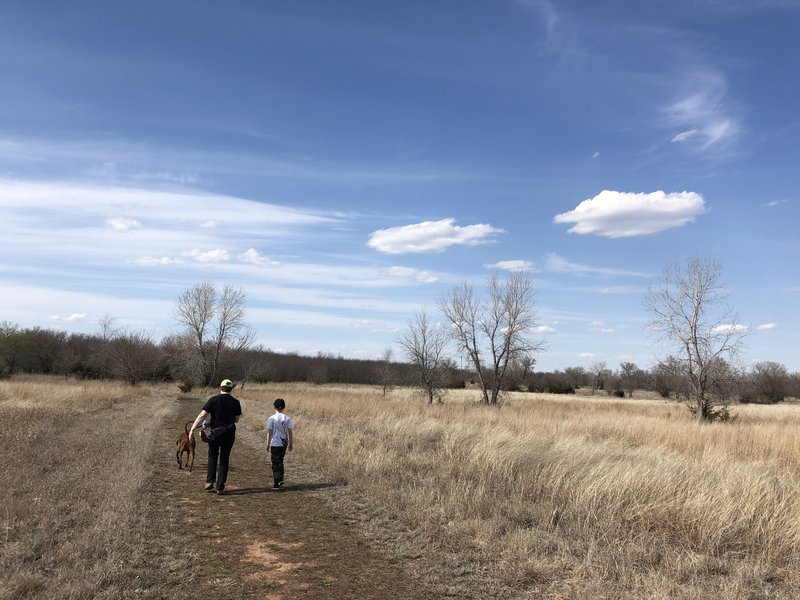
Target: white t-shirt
280	424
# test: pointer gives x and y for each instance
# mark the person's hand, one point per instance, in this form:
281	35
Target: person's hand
290	447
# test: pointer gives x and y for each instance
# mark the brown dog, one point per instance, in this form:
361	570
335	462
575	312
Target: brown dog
185	444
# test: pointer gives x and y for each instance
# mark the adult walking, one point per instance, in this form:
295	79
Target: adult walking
279	431
225	411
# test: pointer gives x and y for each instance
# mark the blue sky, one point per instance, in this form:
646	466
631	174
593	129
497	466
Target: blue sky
347	162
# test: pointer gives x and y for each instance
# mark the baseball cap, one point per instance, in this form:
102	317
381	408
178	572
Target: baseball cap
226	383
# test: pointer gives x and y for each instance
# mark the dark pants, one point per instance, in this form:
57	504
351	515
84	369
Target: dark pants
220	449
276	454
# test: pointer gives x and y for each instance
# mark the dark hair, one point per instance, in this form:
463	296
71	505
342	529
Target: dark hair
279	404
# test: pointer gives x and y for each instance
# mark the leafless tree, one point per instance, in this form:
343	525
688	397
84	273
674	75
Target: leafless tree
494	333
424	344
385	371
216	325
691	314
133	355
600	374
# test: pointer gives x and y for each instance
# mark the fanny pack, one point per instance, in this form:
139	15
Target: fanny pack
209	434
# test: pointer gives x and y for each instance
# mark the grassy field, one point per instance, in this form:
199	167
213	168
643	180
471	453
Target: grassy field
572	497
547	497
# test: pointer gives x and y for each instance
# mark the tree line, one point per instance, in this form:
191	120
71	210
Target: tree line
491	334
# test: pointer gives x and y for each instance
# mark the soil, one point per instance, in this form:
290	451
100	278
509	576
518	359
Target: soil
255	543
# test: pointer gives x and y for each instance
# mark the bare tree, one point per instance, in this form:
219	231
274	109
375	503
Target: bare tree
424	345
216	325
133	355
494	333
690	313
385	371
600	373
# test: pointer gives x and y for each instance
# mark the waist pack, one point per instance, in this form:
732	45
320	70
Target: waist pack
209	434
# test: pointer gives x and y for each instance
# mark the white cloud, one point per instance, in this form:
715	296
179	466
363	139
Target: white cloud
775	203
123	224
600	327
511	265
586	354
625	214
210	224
595	155
149	261
767	326
730	328
543	329
684	135
430	236
254	257
210	256
409	273
73	317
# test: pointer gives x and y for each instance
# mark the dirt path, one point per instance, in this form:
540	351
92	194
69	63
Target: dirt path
255	543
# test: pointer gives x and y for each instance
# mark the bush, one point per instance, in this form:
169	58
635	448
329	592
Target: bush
559	387
185	387
617	393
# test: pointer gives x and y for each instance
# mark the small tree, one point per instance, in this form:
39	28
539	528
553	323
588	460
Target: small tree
690	313
216	326
495	332
385	371
423	344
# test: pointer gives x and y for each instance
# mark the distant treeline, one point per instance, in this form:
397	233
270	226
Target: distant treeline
135	357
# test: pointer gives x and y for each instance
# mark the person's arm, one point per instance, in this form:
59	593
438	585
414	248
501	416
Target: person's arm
236	418
291	437
203	414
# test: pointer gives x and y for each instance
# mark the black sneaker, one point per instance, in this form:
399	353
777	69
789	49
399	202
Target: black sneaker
220	492
280	483
276	488
209	487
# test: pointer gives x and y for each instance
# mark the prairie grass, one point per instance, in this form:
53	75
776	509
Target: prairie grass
75	465
570	498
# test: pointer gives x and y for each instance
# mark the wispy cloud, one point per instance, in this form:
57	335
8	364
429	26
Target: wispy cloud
626	214
123	224
544	329
415	274
430	236
775	203
767	326
730	328
586	355
254	257
704	114
559	264
595	155
209	256
73	317
511	265
601	327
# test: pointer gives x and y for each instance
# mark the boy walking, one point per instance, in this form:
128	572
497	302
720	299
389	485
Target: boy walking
279	427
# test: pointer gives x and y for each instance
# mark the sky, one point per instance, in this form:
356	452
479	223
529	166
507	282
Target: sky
346	163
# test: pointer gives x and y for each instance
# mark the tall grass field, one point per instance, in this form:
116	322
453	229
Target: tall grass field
545	496
569	497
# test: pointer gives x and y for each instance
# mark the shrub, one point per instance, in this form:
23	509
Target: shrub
185	387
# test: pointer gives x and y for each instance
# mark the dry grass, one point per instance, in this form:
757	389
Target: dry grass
554	497
76	460
576	497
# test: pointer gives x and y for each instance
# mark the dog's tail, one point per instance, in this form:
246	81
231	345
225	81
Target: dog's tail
186	427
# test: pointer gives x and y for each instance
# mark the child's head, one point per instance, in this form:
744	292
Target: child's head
279	404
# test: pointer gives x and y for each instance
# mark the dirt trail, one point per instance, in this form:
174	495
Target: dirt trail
256	543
